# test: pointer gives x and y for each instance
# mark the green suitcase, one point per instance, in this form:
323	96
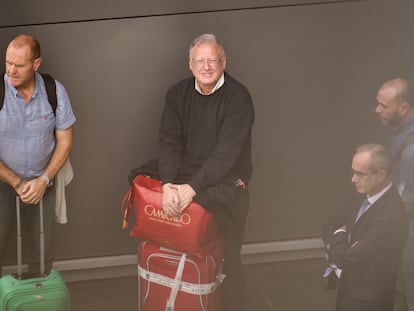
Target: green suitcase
47	292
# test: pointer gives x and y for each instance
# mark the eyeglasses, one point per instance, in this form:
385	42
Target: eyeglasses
362	174
210	62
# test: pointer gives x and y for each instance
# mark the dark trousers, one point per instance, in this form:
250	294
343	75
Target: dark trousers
345	301
230	206
30	224
404	299
233	239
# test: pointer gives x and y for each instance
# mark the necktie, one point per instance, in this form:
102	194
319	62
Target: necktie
332	267
362	209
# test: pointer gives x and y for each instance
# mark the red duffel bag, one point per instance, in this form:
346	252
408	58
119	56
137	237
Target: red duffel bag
194	232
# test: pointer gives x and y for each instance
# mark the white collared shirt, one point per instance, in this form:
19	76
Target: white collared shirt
375	197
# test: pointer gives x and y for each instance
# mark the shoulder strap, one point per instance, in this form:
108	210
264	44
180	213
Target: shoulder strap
409	140
50	85
2	91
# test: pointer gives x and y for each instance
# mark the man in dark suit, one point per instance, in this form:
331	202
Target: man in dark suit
364	242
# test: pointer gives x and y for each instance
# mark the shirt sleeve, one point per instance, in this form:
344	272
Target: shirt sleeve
65	117
170	145
405	175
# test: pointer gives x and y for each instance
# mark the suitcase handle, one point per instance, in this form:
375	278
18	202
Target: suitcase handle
19	240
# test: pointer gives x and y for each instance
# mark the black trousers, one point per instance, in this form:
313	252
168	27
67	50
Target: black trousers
230	206
30	224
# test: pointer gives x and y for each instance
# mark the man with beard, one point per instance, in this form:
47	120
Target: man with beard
395	108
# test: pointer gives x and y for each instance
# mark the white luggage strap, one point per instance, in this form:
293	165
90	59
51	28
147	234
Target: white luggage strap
176	284
186	287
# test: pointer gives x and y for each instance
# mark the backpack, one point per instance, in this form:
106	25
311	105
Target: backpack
50	85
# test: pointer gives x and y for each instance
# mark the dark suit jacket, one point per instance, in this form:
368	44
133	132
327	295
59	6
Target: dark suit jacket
369	252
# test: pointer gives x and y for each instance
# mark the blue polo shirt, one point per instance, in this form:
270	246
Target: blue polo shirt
27	137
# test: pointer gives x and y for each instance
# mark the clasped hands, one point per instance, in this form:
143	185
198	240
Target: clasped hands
30	192
176	198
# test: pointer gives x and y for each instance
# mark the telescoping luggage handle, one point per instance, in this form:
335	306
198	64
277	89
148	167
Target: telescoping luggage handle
19	240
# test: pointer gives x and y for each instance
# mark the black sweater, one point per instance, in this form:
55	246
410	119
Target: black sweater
206	139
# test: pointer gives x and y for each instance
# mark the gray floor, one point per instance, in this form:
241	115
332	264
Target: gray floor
282	286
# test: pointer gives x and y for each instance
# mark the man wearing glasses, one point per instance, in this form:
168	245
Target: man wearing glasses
205	152
365	238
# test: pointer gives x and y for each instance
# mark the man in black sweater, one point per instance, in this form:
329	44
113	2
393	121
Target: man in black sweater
205	152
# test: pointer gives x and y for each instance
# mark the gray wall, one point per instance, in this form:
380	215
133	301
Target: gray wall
312	67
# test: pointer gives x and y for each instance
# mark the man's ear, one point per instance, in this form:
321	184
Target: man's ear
404	108
382	174
37	63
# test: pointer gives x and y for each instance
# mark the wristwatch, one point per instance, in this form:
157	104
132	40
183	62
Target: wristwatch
49	182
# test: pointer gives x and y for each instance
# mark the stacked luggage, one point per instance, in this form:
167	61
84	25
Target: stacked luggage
180	259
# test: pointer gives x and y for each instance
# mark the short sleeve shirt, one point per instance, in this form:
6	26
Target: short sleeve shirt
27	137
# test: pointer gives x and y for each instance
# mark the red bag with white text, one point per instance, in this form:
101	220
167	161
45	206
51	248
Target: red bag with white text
194	232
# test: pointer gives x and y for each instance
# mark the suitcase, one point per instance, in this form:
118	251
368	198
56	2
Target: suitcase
171	280
48	292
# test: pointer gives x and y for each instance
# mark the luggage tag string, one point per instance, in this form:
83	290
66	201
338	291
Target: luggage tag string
126	208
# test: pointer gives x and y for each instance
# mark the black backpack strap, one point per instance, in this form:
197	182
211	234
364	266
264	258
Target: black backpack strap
2	91
50	85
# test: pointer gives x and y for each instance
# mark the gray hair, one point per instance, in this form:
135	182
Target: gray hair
207	38
380	157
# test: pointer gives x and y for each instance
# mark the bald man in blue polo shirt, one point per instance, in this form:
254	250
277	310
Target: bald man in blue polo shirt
34	144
